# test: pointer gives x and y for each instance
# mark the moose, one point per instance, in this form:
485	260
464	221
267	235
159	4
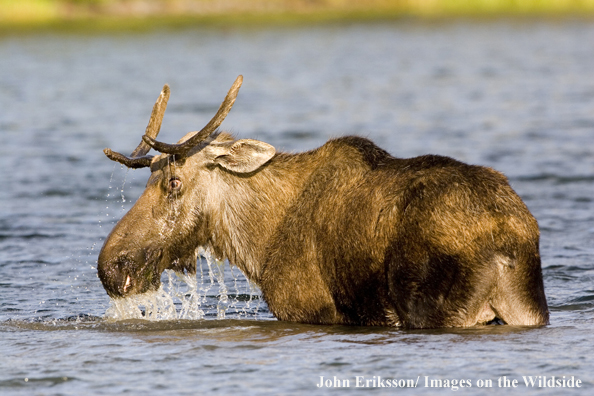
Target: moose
342	234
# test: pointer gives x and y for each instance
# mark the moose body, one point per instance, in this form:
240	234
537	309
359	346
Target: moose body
343	234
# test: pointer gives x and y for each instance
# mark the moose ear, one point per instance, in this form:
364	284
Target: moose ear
245	155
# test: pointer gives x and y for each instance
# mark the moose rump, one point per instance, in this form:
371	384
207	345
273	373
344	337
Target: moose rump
343	234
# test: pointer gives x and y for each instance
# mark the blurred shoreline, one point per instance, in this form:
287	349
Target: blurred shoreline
140	15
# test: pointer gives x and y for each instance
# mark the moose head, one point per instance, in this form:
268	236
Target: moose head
168	223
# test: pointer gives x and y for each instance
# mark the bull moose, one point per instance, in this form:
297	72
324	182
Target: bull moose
343	234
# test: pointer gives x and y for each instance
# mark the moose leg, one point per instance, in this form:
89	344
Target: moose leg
294	290
519	297
429	289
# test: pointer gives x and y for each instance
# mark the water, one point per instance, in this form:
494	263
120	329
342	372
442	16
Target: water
514	95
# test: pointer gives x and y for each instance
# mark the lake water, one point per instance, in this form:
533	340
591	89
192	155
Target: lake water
514	95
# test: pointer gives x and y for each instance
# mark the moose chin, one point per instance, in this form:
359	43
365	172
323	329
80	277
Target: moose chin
343	234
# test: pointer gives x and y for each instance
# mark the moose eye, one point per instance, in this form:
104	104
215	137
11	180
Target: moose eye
174	184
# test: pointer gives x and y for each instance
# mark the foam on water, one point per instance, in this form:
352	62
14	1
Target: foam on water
191	296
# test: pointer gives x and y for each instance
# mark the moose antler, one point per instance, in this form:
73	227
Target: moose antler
138	158
182	149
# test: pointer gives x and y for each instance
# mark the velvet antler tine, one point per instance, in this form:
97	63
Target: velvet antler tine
220	116
176	149
137	162
183	148
154	125
138	158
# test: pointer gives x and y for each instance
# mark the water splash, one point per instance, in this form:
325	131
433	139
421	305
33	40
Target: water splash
156	305
123	186
216	270
197	296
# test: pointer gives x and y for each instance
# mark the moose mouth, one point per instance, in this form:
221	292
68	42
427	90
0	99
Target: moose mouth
131	272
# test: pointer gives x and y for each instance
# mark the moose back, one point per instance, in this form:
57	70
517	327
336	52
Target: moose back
343	234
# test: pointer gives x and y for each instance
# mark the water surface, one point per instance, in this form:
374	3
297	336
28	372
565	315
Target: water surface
514	95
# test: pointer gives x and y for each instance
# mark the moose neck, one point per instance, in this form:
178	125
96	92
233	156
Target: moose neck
246	210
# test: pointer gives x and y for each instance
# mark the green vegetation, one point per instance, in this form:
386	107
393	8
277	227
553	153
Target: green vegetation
144	14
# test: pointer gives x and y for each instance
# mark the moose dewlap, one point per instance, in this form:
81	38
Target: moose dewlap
343	234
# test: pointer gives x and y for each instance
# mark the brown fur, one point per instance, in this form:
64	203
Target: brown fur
342	234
